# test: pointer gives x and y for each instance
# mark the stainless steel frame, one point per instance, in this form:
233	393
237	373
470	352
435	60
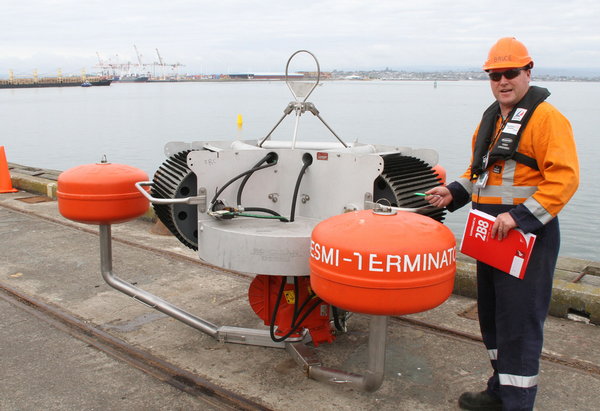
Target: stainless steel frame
297	348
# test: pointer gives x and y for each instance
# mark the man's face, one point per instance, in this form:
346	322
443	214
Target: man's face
510	92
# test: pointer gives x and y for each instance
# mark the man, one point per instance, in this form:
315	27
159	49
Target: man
524	170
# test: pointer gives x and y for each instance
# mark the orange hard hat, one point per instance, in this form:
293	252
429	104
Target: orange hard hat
507	53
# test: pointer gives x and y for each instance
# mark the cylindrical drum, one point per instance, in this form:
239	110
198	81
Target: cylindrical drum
101	194
382	263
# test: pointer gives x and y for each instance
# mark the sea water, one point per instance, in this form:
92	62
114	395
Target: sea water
59	128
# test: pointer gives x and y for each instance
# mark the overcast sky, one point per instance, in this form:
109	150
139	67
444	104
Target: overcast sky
227	36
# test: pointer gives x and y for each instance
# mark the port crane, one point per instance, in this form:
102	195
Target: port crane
119	67
112	69
139	56
161	62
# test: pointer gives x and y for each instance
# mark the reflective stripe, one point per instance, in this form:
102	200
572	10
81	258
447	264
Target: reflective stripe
493	354
537	210
518	380
507	194
467	184
508	180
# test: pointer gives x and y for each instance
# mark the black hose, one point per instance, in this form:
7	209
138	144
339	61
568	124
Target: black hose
270	156
297	311
252	170
296	298
276	308
265	210
295	328
336	319
307	159
305	302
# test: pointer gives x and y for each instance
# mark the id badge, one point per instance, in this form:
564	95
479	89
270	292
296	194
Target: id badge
485	160
482	180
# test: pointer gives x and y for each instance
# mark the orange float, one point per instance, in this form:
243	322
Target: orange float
101	193
382	263
440	173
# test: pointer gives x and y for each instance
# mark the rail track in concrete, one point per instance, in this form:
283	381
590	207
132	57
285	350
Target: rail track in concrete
218	397
211	394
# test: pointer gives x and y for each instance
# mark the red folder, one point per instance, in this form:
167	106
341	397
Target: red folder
510	255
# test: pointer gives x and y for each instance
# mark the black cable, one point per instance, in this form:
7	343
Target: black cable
243	183
269	157
252	170
296	312
276	308
304	303
296	297
336	320
266	210
310	310
307	162
233	214
263	210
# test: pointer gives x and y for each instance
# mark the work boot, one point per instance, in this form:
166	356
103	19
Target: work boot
479	401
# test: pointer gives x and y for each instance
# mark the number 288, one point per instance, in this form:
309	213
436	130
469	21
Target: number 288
481	229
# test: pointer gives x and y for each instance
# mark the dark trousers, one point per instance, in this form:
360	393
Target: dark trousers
511	316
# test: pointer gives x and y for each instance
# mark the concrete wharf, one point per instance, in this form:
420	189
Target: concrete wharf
51	262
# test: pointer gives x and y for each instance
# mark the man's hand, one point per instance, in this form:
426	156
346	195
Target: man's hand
439	197
503	223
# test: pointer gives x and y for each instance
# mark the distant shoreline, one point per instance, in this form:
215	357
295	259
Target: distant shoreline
447	76
385	75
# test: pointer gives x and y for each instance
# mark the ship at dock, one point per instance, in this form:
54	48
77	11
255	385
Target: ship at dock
59	81
131	79
125	71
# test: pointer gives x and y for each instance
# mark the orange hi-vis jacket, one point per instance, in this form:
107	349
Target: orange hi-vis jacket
548	138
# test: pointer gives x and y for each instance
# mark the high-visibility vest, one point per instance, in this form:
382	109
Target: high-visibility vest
548	138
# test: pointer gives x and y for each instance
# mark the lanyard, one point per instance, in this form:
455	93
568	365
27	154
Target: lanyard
493	143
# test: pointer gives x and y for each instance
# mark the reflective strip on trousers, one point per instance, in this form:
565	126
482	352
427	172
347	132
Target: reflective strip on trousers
518	380
493	354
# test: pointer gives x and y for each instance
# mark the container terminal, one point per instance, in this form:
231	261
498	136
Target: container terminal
36	81
159	71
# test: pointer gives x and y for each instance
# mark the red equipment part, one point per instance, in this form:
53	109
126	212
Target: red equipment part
263	294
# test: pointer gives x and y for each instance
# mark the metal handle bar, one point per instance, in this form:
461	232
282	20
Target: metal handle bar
201	199
369	205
